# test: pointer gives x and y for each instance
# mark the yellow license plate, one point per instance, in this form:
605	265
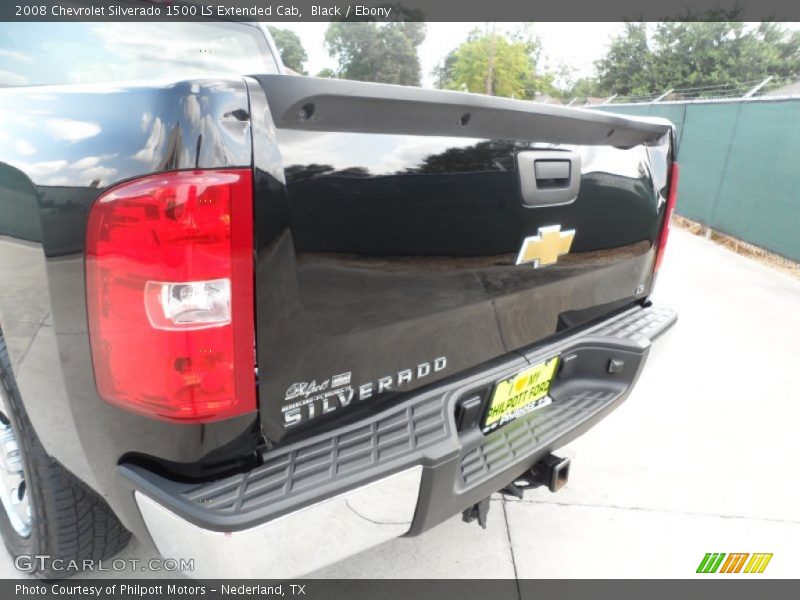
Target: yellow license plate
523	393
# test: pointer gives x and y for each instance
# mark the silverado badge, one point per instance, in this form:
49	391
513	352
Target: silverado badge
545	247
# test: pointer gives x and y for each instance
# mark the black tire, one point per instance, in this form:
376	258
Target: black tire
69	521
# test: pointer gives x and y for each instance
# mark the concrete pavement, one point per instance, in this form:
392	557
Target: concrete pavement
699	459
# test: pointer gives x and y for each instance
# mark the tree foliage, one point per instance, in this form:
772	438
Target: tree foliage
494	64
290	48
327	72
385	53
696	55
584	87
627	66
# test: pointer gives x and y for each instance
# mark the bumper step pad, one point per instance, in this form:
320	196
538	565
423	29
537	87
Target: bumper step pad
421	431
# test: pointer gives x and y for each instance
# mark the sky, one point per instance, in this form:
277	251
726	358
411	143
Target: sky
576	45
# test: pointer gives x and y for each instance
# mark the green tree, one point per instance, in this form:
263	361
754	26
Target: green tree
290	48
712	54
581	89
627	68
443	73
384	53
327	72
708	55
494	64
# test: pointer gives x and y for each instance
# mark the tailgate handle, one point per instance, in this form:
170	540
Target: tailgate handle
552	173
549	178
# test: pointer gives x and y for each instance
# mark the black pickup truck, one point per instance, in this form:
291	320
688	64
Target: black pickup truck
265	321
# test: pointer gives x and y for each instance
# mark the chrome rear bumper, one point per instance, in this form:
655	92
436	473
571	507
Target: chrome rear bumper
400	471
296	543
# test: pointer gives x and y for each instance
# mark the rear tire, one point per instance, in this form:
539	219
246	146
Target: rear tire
67	520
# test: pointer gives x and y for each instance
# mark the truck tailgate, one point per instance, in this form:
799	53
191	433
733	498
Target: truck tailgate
406	235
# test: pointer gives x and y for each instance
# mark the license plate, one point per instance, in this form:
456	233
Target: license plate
521	394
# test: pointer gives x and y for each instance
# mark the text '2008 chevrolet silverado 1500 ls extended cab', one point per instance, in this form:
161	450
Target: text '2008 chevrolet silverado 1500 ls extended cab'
265	321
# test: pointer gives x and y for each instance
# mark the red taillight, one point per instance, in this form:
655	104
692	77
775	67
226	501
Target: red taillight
169	282
672	198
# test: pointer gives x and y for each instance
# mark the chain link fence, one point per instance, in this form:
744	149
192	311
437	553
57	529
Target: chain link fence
740	165
756	88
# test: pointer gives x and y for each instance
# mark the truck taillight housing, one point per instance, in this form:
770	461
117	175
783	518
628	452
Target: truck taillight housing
169	293
672	198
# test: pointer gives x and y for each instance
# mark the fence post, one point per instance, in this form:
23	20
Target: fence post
752	92
718	195
664	95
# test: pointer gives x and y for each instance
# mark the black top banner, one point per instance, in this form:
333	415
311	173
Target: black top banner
400	10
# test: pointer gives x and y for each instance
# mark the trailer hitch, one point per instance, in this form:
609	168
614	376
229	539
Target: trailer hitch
477	511
552	471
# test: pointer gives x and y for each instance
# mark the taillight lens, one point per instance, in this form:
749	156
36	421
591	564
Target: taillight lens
169	280
672	198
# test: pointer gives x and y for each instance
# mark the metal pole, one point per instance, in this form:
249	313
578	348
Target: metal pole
573	101
752	92
664	95
609	99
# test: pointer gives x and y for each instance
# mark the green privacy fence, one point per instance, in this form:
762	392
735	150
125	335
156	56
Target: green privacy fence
740	167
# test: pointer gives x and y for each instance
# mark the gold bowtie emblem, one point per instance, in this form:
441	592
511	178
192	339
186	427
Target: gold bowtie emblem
544	248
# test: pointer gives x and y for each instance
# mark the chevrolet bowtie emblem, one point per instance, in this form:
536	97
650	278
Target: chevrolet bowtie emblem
544	248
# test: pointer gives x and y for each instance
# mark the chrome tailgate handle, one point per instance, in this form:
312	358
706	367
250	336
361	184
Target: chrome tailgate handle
549	178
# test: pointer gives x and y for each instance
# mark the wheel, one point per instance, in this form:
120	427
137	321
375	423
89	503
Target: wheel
46	511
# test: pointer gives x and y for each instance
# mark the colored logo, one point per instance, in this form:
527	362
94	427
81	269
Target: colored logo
741	562
544	248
